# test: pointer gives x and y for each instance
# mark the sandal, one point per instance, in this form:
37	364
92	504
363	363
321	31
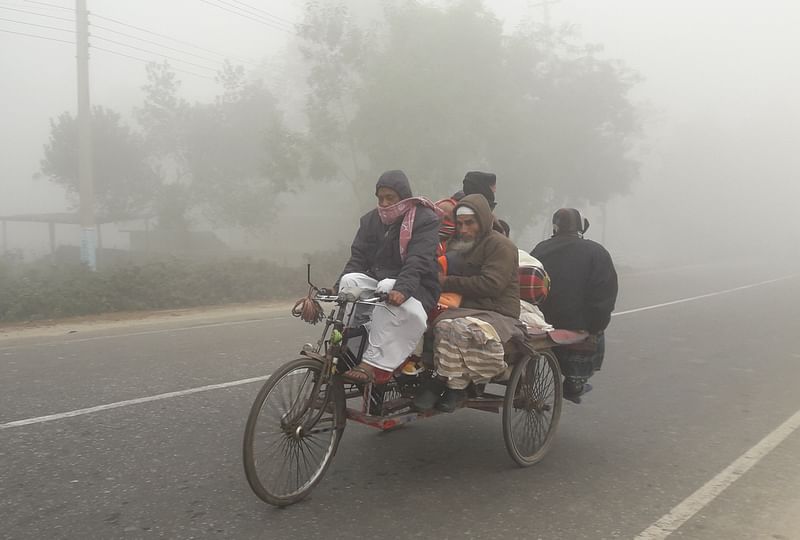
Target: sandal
359	375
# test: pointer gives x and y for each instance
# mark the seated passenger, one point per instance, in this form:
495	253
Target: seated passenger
394	252
582	295
447	228
468	341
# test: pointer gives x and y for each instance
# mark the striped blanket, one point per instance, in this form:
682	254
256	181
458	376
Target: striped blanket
466	350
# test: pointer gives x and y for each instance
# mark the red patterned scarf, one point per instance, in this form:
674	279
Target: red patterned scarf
447	229
407	209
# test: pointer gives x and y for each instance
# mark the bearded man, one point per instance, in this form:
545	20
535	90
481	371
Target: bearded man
483	268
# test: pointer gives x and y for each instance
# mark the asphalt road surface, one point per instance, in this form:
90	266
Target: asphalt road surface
691	428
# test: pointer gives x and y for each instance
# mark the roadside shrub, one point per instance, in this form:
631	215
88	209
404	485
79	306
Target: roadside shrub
43	290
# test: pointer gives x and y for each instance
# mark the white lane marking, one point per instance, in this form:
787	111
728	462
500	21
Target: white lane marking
80	412
699	297
666	269
143	333
116	405
711	489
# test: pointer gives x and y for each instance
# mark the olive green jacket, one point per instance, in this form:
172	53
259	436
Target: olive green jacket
488	274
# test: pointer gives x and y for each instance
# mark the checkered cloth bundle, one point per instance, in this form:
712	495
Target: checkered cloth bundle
534	284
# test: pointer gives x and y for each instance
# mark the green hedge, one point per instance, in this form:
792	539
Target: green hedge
32	291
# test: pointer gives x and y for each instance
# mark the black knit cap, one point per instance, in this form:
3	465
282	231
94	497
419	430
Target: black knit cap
397	181
481	182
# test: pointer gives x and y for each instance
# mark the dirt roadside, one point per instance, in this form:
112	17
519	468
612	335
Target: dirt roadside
128	319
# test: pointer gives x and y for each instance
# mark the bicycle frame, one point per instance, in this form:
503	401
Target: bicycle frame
333	347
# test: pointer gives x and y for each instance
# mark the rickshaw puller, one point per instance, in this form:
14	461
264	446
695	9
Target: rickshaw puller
394	252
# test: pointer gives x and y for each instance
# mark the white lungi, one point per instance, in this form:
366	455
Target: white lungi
394	331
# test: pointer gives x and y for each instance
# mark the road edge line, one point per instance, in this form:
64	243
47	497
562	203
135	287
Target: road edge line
691	505
127	402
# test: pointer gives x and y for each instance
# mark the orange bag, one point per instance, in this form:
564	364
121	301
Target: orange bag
448	299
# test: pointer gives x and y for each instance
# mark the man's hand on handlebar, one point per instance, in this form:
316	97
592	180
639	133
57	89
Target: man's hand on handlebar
395	298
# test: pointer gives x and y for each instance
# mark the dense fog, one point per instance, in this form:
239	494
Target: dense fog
672	126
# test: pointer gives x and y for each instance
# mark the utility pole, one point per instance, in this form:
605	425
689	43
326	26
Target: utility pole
604	209
546	14
547	29
545	5
85	176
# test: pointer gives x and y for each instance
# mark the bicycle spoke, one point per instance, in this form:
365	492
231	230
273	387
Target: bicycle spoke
288	455
531	410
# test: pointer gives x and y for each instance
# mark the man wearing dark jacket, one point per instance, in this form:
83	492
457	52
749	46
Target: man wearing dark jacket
583	291
483	268
394	252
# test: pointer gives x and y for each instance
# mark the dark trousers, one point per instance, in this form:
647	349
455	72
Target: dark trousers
578	364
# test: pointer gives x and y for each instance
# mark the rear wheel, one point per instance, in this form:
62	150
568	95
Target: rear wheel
283	458
531	408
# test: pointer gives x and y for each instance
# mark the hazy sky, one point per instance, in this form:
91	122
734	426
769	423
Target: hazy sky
727	64
38	77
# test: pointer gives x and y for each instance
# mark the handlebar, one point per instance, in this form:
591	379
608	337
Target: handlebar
374	300
377	299
326	297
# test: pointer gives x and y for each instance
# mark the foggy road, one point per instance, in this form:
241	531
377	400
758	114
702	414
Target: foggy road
166	155
686	389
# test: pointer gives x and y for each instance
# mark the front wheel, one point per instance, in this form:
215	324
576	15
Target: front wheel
531	408
284	458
